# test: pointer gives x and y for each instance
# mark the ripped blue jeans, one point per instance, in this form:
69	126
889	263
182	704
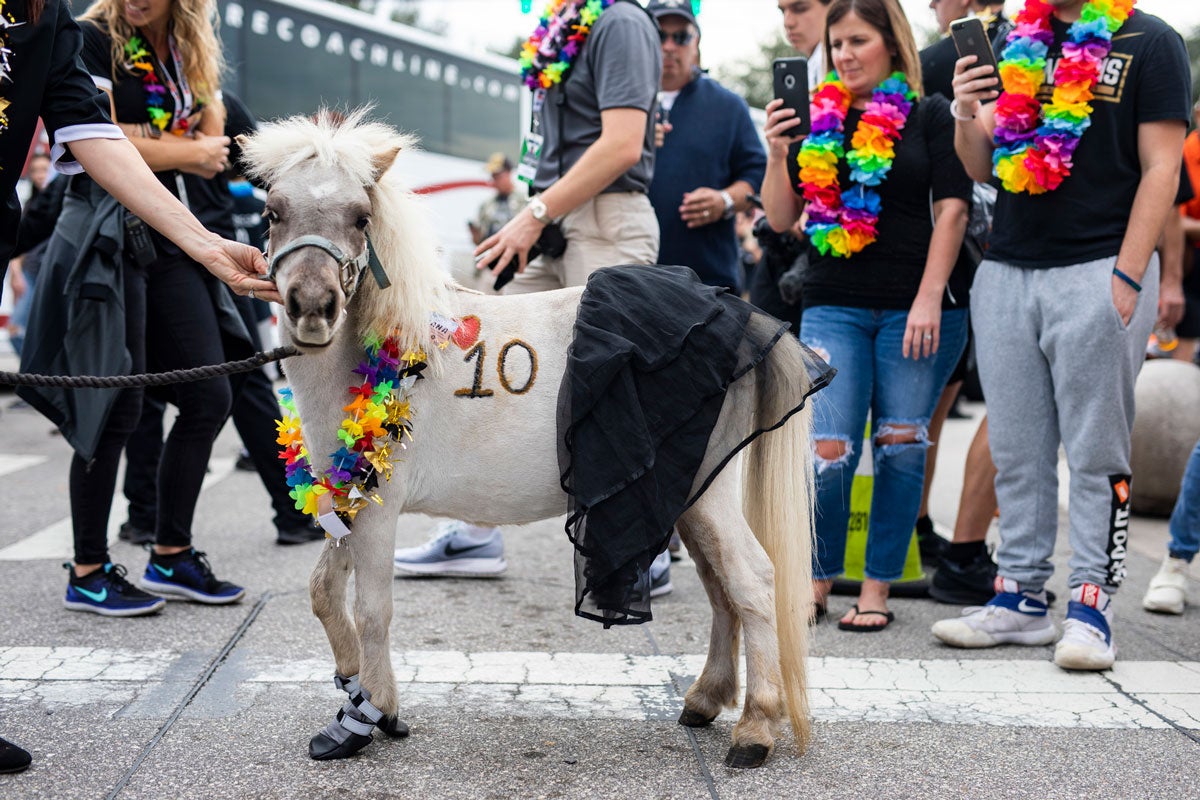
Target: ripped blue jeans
865	347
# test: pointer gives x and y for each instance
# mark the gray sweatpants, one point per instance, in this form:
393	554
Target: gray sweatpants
1058	365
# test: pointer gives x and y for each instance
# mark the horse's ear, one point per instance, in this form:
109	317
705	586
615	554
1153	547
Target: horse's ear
382	161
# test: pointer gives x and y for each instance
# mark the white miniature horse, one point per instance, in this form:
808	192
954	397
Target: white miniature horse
493	460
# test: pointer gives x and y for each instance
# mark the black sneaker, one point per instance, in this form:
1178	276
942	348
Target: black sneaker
13	758
188	575
106	592
931	544
244	462
134	535
301	535
971	584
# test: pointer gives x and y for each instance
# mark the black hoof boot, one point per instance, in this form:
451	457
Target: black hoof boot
393	727
747	756
322	748
694	719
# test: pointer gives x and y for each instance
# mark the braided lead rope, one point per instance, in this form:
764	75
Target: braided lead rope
148	379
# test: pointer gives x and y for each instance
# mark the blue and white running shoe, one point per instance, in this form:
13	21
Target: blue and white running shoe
1087	641
188	576
660	575
1011	617
454	552
106	592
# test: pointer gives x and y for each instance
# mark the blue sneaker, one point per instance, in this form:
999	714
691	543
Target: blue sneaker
453	553
188	575
106	592
1011	617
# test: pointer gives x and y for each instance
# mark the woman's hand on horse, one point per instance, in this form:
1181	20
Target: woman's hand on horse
240	266
779	122
211	155
511	241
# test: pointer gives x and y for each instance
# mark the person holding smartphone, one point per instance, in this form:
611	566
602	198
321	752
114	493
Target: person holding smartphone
874	290
1065	300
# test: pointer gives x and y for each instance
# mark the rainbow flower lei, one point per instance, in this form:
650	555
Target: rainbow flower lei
1035	144
378	415
561	32
6	21
843	223
142	64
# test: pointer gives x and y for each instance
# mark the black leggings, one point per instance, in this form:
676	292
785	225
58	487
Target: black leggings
170	323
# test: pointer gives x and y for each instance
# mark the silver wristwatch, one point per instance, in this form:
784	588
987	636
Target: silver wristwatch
728	198
537	208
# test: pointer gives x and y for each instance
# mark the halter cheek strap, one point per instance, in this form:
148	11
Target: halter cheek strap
350	270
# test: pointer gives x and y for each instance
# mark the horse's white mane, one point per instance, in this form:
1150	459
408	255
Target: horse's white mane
400	230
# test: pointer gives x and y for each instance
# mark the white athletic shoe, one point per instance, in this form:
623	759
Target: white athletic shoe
1008	618
452	553
1087	641
1168	589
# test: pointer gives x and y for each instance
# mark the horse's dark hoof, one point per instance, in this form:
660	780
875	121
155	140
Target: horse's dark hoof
393	727
747	756
694	719
322	748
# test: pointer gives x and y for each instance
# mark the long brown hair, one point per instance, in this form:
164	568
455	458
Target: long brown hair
194	26
34	9
887	17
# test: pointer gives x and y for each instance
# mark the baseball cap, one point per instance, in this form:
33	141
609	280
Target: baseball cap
498	162
679	8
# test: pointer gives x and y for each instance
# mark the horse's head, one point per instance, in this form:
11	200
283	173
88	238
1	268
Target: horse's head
322	176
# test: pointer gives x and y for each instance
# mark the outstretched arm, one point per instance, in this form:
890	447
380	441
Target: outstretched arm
116	165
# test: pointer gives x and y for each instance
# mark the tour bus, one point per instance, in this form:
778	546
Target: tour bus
291	57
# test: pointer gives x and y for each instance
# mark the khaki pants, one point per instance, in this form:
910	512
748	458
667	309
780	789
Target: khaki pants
606	231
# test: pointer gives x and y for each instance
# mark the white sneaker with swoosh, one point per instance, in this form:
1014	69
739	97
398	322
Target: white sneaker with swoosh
1008	618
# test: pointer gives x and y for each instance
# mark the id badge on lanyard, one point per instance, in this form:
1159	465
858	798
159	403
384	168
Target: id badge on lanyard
531	145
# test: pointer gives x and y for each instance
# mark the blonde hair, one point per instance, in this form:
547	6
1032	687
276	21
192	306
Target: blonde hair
194	26
887	17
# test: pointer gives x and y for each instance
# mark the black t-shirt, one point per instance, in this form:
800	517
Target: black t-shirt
1145	78
46	81
209	200
887	273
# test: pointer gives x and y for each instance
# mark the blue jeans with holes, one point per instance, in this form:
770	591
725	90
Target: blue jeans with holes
1185	519
900	393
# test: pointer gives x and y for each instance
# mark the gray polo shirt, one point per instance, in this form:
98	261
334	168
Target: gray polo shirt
620	67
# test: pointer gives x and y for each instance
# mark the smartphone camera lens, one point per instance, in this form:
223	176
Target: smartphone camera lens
789	81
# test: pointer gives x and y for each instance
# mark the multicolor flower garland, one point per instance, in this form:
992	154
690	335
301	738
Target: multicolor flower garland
141	61
843	223
1035	144
6	21
561	32
378	415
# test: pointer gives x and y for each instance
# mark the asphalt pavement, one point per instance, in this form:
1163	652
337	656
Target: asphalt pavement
509	695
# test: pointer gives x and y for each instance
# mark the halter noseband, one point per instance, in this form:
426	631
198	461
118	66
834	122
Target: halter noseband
351	271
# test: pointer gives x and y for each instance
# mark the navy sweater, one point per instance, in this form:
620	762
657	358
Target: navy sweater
713	143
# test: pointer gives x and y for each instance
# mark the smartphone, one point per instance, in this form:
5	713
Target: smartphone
971	39
790	77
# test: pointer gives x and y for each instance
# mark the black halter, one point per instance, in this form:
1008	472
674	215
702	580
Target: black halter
351	270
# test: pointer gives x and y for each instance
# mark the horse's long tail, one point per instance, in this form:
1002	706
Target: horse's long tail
777	502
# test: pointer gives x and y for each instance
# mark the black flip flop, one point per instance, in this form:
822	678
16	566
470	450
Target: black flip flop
850	626
820	613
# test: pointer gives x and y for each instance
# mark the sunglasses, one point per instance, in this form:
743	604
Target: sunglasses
681	38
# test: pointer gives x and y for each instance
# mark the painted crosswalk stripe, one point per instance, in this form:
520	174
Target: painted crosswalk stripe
12	462
1016	693
55	540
